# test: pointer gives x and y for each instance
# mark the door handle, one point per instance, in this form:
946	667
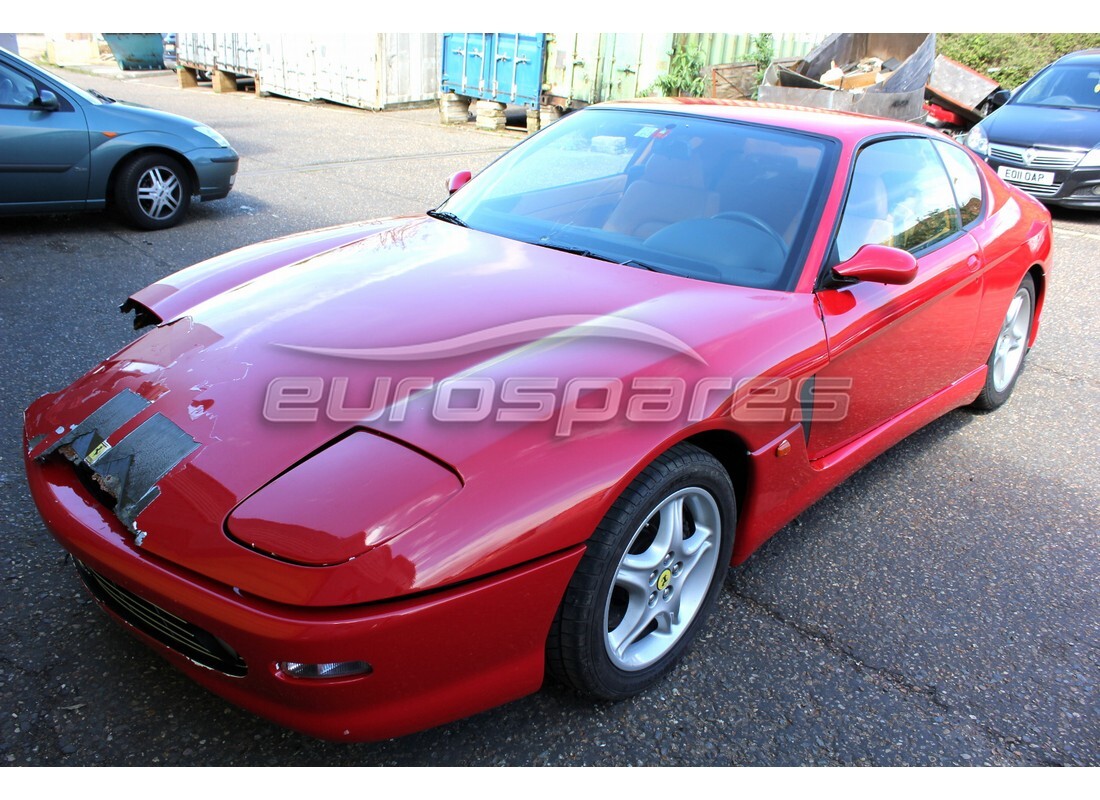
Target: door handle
973	263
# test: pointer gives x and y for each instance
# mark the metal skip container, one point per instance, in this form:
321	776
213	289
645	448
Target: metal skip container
136	50
899	95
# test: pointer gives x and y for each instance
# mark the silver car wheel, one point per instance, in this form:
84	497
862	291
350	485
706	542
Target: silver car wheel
1008	353
159	192
663	579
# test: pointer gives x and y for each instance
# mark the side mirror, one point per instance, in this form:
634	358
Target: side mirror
999	98
879	264
458	180
46	101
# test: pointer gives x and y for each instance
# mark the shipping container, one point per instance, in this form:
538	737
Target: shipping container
366	70
731	48
238	53
578	69
560	69
196	51
288	67
583	69
502	67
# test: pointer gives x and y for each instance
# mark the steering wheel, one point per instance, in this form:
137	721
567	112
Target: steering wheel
754	222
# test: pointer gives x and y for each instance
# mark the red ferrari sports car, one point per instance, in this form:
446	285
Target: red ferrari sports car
374	478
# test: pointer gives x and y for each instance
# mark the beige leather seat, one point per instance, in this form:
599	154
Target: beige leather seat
670	190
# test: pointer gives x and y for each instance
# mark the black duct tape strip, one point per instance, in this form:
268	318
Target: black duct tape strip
130	470
100	424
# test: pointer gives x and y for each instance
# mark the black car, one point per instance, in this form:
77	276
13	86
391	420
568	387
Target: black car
1046	138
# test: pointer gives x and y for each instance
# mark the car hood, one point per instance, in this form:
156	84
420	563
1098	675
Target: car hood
1026	126
124	117
420	302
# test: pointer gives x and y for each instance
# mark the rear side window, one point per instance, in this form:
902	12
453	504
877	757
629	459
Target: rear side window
964	177
899	196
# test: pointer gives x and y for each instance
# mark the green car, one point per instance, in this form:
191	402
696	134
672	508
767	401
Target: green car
66	149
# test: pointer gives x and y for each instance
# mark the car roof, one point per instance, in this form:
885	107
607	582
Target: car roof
844	125
1081	57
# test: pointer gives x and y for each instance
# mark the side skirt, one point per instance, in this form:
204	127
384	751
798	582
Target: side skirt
782	487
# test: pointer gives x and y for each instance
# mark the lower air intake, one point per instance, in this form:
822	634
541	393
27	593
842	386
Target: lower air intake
168	629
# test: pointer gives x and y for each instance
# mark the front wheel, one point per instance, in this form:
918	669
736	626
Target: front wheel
1006	362
649	578
152	192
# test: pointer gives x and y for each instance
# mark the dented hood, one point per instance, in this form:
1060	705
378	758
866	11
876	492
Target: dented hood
409	303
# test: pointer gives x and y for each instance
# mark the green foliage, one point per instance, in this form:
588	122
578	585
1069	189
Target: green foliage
685	73
763	51
1011	58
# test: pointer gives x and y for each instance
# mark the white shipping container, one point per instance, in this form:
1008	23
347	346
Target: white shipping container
288	66
196	50
372	71
347	69
411	67
238	53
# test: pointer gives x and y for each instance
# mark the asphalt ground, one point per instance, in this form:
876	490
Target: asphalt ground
940	608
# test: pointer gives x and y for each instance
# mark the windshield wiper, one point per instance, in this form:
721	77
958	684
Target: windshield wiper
631	262
577	251
582	251
99	95
447	216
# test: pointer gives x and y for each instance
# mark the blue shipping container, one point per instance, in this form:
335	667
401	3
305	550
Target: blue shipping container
502	67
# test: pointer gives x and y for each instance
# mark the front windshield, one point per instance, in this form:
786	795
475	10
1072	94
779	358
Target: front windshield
700	197
1065	85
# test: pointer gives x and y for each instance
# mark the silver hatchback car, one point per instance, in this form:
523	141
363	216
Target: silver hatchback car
64	149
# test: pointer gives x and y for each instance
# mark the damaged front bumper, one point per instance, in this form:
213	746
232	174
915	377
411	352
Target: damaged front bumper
433	658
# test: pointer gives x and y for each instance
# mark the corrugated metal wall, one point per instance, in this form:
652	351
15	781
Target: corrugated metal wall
238	52
590	68
582	68
502	67
729	48
366	70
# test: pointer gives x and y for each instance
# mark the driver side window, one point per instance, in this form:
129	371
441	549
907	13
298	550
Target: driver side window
900	196
16	90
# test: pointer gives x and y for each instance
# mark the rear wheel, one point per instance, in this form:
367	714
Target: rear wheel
650	576
1006	362
152	192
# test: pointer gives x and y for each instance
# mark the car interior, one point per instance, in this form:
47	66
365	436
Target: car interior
725	208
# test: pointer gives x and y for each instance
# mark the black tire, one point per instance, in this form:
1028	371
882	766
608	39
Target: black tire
1006	360
589	647
152	192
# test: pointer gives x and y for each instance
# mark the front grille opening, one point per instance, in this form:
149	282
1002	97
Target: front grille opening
189	640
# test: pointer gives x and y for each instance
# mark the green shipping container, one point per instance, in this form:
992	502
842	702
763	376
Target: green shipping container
585	68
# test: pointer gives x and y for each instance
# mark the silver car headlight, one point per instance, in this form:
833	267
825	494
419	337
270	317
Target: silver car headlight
977	141
1091	159
210	133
